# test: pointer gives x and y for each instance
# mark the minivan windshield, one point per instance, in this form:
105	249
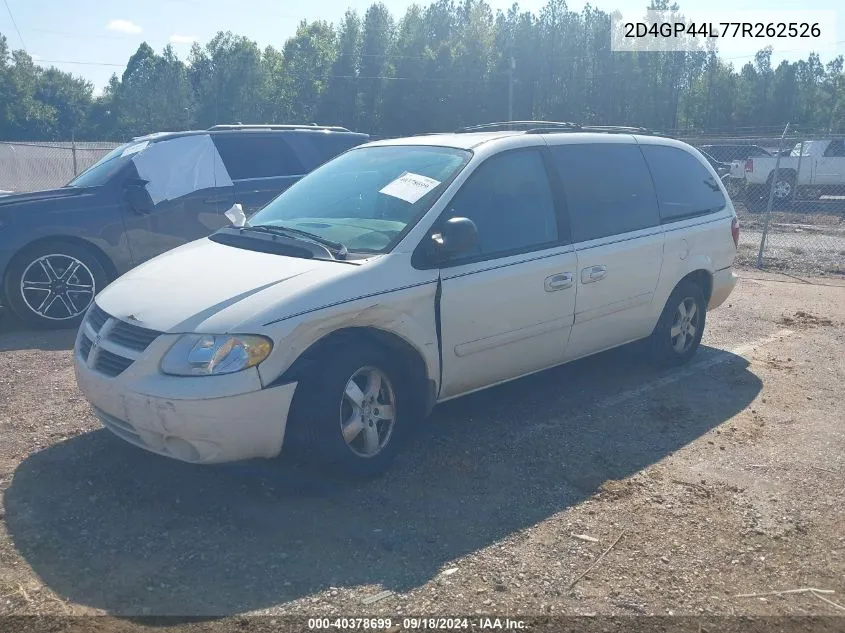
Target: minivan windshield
366	198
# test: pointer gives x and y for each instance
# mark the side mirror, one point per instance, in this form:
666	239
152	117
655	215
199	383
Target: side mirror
137	196
458	235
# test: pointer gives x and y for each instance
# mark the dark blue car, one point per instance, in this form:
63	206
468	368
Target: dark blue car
58	248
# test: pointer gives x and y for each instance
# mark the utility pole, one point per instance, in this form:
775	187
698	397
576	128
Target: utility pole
510	88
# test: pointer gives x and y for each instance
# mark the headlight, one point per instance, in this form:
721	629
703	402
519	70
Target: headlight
214	354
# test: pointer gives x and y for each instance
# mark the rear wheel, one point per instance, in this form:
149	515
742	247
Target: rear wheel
52	284
351	412
678	333
784	190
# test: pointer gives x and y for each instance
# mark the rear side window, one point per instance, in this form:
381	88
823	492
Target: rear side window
835	149
608	189
316	148
685	187
252	156
331	144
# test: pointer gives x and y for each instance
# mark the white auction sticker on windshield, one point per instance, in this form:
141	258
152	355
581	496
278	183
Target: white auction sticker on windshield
134	149
409	187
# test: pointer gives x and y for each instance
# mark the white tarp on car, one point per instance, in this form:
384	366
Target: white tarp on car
177	167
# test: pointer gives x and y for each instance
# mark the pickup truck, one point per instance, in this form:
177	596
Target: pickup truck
812	169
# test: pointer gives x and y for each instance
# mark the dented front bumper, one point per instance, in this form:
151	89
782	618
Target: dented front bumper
207	419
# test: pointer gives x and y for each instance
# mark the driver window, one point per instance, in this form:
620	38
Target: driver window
180	166
510	200
835	149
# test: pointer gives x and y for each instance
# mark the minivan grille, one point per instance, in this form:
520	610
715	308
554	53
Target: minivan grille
132	336
97	317
111	364
129	336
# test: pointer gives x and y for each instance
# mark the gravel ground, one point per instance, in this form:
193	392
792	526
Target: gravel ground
811	242
602	487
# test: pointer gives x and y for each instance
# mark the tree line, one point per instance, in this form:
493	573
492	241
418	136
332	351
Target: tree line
436	68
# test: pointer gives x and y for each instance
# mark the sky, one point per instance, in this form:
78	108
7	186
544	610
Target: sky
94	38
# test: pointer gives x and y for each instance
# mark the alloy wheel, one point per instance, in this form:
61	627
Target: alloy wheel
57	287
685	325
367	412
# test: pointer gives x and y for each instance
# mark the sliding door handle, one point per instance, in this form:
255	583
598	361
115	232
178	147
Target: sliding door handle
593	273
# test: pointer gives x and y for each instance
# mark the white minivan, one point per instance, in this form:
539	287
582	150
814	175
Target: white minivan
403	273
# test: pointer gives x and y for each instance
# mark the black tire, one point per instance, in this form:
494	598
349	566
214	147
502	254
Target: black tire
665	346
69	301
314	434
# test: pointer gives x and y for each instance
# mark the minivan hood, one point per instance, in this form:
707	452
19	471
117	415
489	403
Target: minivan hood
204	286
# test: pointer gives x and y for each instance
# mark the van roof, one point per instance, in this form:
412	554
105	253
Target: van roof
470	140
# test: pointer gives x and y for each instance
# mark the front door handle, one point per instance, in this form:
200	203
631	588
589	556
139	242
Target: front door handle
559	281
592	274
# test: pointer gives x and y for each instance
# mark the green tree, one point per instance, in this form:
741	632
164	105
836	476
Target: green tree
308	58
228	80
376	41
338	103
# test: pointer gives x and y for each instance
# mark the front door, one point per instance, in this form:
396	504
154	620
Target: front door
188	193
506	308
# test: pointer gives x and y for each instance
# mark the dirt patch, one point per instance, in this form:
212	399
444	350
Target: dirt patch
804	319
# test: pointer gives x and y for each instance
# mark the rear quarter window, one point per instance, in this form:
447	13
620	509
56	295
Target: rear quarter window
607	187
685	187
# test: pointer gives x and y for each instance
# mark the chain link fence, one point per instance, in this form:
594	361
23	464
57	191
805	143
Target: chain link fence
789	194
37	166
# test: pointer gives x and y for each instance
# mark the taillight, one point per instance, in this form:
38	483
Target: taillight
735	232
749	164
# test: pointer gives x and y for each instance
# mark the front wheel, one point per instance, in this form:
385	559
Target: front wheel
52	284
678	332
351	412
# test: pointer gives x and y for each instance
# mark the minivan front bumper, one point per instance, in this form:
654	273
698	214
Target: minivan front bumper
199	427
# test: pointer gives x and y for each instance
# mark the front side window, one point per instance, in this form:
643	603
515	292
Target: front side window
509	199
685	187
365	199
180	166
608	189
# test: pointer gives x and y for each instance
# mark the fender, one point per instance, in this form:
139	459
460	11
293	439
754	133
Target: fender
409	317
667	285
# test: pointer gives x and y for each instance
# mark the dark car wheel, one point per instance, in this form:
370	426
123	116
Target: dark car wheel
351	413
678	332
51	285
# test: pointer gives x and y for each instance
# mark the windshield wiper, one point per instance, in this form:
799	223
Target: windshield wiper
337	248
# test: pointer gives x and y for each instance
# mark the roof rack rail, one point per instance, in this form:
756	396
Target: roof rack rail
515	126
623	129
606	129
302	126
